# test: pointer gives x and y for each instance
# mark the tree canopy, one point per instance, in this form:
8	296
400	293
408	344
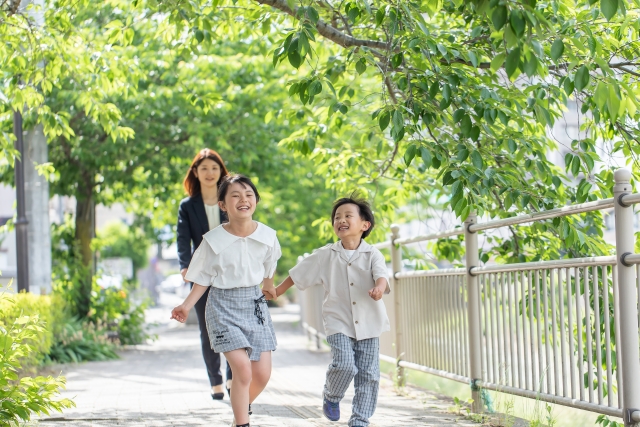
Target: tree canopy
445	102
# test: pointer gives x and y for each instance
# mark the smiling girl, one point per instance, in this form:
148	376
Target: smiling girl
233	259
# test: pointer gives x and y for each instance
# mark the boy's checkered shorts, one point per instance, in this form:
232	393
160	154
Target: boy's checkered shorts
357	360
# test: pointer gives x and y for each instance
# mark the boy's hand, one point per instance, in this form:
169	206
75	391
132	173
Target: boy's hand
270	293
376	293
180	313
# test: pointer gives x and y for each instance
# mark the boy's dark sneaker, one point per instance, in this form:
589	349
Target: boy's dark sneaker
331	410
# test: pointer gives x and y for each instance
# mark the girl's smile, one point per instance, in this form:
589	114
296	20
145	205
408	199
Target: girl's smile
240	201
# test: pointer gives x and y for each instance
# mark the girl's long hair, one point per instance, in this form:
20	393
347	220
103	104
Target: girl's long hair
191	183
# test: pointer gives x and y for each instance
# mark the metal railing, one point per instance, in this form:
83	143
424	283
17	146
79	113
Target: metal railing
563	331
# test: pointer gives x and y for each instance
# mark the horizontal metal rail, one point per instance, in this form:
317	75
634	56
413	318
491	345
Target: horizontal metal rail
539	216
522	219
630	259
433	236
565	401
527	266
429	273
630	199
438	372
382	245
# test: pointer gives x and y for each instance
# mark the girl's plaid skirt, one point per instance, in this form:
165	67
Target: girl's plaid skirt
239	318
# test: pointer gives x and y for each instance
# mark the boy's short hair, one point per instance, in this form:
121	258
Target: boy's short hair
363	207
233	179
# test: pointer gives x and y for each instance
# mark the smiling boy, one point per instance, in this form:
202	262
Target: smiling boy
354	276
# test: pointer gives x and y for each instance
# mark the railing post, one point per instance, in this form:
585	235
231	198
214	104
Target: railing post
627	343
396	267
473	312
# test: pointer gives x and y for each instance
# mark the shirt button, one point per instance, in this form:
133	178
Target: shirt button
351	284
356	322
354	303
349	264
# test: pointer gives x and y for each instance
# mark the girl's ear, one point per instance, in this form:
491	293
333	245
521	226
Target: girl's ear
367	225
221	206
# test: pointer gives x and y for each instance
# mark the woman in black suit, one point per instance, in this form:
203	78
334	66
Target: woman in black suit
198	214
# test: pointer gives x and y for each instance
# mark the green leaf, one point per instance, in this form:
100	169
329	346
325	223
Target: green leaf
410	154
497	62
601	95
518	24
613	103
531	65
396	59
609	8
512	146
457	116
446	92
313	15
380	16
557	49
199	36
383	120
463	153
568	86
575	166
499	17
361	66
398	120
513	61
294	58
465	125
582	78
427	158
476	159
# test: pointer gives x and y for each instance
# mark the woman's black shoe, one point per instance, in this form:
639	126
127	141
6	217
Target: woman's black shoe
217	396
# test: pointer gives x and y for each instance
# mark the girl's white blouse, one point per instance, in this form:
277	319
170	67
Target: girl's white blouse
226	261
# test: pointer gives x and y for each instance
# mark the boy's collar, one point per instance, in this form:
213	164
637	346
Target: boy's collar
363	247
219	239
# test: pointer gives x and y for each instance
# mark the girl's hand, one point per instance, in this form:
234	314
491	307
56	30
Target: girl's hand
180	313
270	293
183	272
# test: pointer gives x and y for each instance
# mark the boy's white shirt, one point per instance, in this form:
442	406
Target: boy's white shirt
227	261
346	280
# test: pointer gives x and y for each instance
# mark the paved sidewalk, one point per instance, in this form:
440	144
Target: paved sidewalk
164	384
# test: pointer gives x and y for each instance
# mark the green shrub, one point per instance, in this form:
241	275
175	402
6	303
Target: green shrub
22	397
80	341
116	308
47	309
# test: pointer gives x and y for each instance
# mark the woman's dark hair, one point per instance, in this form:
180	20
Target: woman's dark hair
191	183
232	179
363	208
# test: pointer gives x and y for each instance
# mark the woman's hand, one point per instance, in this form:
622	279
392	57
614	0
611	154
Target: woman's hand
184	273
180	313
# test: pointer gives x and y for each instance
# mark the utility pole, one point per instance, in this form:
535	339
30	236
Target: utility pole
22	239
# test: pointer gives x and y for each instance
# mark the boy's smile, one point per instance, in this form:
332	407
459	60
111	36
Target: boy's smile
347	223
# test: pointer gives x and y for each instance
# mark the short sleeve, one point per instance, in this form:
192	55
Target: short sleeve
271	261
199	270
307	272
379	268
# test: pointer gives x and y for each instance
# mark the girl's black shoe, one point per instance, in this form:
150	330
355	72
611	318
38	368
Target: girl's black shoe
217	396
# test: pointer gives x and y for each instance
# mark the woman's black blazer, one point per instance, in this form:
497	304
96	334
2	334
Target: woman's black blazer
192	225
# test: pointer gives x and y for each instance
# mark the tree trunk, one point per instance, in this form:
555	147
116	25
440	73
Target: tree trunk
85	214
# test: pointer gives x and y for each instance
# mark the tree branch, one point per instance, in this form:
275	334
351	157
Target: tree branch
327	30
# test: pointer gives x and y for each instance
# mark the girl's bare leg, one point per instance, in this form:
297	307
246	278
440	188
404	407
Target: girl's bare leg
261	372
242	375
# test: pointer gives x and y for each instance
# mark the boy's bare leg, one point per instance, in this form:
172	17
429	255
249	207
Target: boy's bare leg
242	376
261	372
